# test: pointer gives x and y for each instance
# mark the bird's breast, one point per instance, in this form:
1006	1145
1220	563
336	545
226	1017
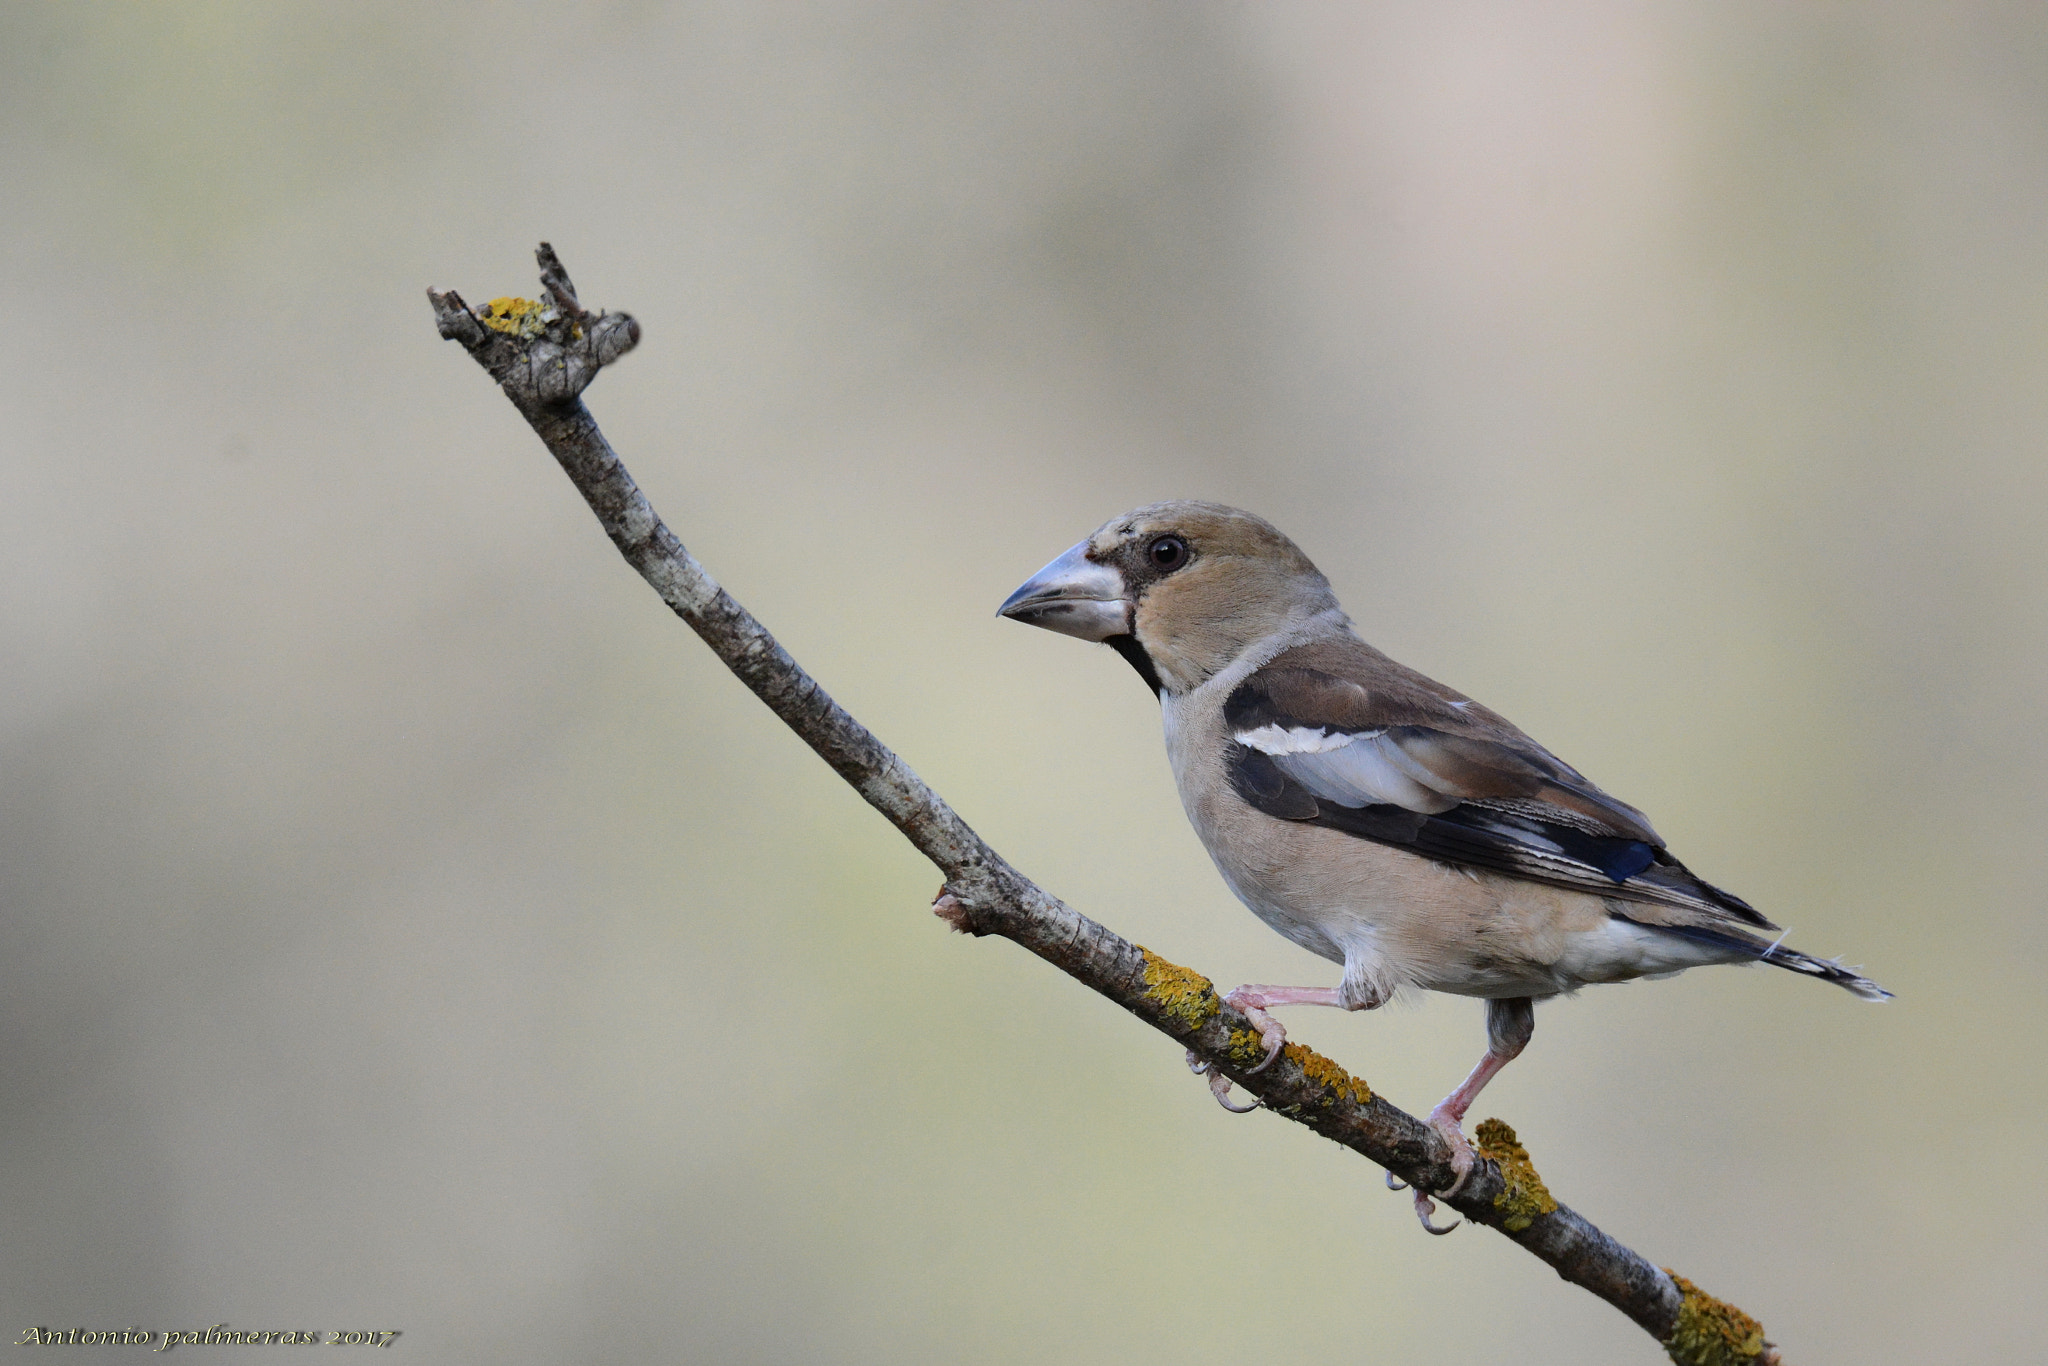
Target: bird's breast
1328	900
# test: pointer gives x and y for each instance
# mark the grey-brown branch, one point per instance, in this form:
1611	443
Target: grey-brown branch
544	352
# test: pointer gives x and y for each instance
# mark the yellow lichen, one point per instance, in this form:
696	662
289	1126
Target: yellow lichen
1526	1197
1184	996
516	317
1711	1332
1335	1081
1246	1047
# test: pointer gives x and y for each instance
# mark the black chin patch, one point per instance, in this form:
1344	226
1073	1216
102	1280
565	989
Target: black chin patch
1135	656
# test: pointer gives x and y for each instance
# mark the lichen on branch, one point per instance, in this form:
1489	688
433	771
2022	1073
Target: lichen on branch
541	352
1525	1199
1711	1332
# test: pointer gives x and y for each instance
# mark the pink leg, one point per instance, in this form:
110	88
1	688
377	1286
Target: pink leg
1509	1025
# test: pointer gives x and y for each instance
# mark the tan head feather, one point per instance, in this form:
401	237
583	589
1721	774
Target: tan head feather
1236	580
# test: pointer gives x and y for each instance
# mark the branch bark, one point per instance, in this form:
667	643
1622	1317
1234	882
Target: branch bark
543	353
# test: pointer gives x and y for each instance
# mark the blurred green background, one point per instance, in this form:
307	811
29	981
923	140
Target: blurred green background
408	925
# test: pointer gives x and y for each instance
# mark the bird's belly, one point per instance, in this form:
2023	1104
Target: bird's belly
1355	902
1416	922
1267	897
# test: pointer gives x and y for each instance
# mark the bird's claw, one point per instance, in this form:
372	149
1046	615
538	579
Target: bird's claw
1219	1087
1462	1164
1424	1207
1251	1005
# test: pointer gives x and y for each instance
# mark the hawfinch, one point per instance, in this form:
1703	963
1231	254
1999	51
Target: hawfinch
1375	816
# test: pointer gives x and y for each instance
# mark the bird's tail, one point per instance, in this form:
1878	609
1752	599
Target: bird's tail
1778	956
1826	969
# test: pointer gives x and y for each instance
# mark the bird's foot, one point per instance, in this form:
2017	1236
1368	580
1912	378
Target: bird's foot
1251	1002
1219	1085
1449	1127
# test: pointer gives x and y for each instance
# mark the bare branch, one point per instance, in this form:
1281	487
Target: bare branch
544	353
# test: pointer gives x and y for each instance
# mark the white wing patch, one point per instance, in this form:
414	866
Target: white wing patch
1301	739
1350	768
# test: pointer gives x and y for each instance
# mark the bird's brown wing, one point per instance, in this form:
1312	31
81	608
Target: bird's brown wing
1338	734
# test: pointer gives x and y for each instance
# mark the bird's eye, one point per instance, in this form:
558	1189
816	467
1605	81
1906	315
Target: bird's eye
1168	552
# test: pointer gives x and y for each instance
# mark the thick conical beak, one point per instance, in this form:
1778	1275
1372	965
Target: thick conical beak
1074	596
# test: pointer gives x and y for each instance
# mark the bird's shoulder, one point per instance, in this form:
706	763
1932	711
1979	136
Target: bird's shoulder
1340	682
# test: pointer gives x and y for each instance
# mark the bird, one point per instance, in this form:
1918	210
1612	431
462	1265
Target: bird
1374	816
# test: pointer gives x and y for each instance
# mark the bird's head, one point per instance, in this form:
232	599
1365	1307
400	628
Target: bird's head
1179	589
